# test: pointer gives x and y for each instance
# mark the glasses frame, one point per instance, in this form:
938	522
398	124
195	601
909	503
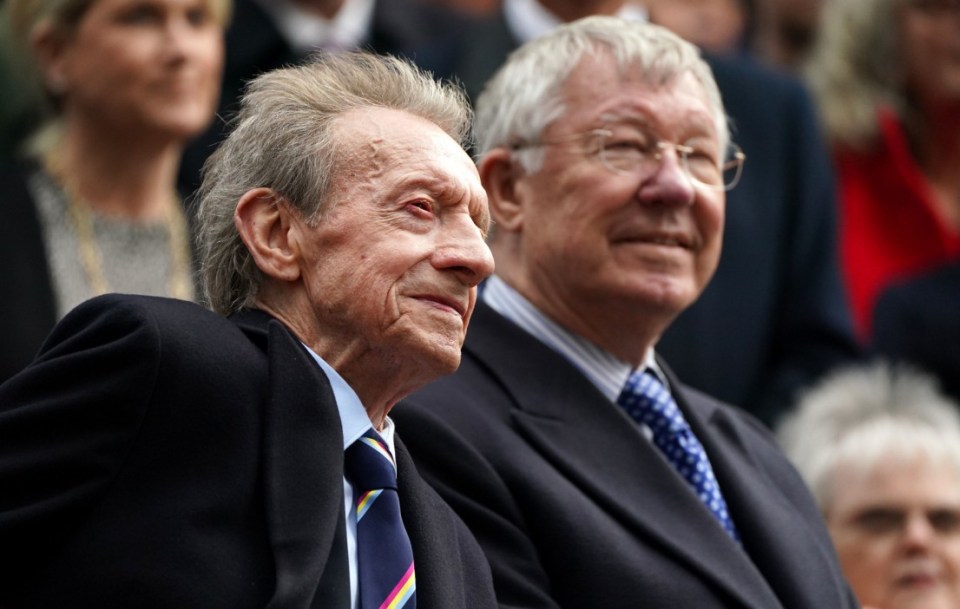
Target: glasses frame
735	161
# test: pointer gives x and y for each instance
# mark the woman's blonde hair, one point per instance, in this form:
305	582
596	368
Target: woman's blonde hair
27	97
855	69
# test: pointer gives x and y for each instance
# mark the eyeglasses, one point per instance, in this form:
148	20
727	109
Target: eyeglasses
629	150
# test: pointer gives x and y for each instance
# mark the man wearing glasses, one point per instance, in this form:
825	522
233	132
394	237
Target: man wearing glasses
590	475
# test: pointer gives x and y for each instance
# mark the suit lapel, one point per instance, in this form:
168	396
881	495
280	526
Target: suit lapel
768	520
573	426
431	540
302	470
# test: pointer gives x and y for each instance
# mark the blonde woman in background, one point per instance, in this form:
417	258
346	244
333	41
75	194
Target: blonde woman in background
887	76
92	207
880	449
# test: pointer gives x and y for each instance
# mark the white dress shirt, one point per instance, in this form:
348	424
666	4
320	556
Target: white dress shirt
306	31
528	19
355	422
608	373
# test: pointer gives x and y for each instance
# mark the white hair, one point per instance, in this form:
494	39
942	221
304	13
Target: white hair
860	415
526	93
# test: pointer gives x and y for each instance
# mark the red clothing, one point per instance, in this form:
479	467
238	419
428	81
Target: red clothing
889	226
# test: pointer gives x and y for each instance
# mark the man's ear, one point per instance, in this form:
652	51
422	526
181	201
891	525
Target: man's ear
49	48
267	227
499	175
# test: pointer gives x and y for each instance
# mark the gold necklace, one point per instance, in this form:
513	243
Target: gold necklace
180	283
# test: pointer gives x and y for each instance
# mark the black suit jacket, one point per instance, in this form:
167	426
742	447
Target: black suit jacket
576	509
28	306
918	321
776	300
159	455
409	28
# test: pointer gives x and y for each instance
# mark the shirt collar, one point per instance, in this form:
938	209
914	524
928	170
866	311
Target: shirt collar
353	416
608	373
306	31
528	19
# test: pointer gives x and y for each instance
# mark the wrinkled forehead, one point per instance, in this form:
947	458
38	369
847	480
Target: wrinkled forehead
395	150
389	137
595	94
599	86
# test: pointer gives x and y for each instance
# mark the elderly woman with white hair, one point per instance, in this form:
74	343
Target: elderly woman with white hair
880	448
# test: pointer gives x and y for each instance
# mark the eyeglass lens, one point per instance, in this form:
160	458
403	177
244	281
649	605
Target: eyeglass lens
628	149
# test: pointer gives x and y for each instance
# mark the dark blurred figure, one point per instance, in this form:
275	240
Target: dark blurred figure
22	104
880	448
718	26
776	300
887	76
918	321
786	31
268	34
473	7
92	207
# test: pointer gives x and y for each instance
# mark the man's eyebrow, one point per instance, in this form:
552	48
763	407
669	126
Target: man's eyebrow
482	219
702	124
633	117
425	180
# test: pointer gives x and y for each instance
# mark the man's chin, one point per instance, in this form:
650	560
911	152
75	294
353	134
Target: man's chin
447	361
436	356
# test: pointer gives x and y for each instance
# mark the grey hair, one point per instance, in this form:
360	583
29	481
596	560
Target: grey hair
859	415
526	94
284	139
855	68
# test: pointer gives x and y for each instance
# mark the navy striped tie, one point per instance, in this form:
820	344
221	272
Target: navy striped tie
384	555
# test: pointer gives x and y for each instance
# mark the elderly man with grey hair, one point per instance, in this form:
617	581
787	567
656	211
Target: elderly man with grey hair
590	474
880	447
157	454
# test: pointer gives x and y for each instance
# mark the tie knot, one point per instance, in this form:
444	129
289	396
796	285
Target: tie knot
647	400
369	465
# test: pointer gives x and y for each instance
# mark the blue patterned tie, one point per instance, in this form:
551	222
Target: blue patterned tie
384	555
648	402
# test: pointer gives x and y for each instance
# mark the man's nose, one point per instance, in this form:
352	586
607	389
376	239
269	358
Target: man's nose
670	183
463	250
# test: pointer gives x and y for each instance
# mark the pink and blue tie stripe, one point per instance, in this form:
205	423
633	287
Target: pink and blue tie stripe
387	579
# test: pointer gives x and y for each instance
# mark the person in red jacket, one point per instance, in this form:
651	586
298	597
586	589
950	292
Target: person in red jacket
888	81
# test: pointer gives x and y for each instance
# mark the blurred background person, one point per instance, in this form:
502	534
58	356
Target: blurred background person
887	76
786	31
776	299
718	26
880	448
268	34
92	207
918	321
22	103
477	8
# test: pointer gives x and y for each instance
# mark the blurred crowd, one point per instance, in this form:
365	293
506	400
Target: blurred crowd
842	238
839	240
